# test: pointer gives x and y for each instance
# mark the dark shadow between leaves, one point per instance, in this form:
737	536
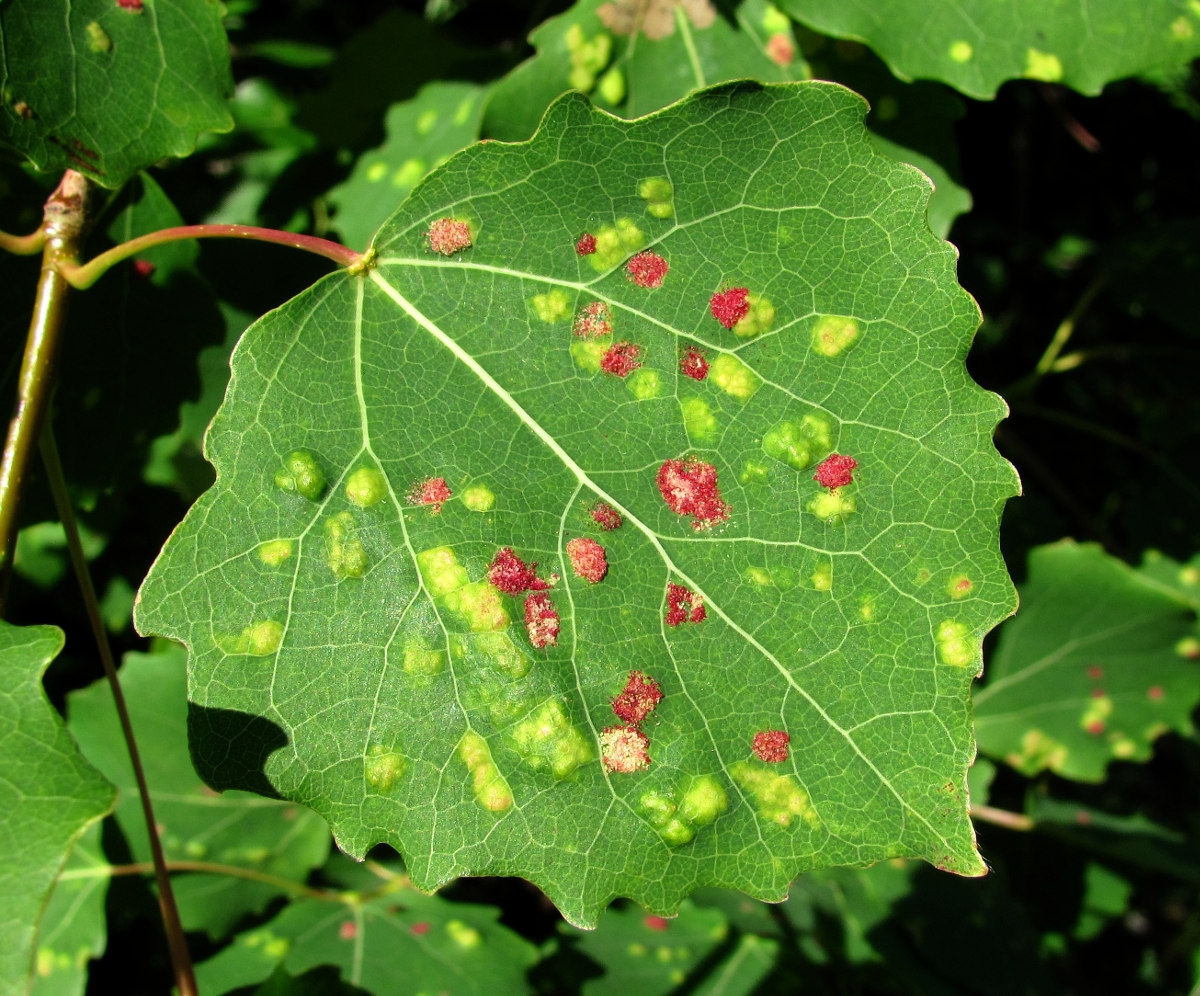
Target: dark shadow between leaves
230	749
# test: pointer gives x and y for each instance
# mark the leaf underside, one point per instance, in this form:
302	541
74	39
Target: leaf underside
337	661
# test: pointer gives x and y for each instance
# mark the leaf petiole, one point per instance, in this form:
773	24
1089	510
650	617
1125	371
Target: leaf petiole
24	245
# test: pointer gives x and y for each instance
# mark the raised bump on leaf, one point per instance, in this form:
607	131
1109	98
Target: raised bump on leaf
822	576
759	317
647	269
798	443
488	785
464	936
959	586
588	559
258	639
548	738
553	306
589	354
423	661
366	487
645	385
383	767
754	472
479	498
344	553
961	51
302	474
1188	647
832	507
1096	713
659	195
479	604
773	577
274	552
614	243
733	377
696	802
834	333
699	422
1043	66
955	644
97	38
498	650
777	798
441	570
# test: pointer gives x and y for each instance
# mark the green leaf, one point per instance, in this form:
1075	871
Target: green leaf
1097	665
108	89
421	134
351	631
237	829
73	929
400	942
975	45
633	57
49	795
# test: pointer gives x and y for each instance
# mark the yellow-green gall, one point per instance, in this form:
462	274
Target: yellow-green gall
366	487
553	306
274	552
1096	713
547	738
588	56
832	507
376	172
502	653
611	87
422	661
775	577
955	644
588	353
441	570
733	377
462	935
259	639
302	474
98	39
774	20
834	333
645	384
614	243
479	498
1188	647
698	420
344	551
961	51
757	320
383	767
1042	66
822	576
427	121
703	800
479	603
410	171
490	789
778	798
798	444
659	196
959	586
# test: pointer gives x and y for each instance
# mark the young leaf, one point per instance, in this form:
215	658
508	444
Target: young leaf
975	45
1096	666
393	443
49	795
108	88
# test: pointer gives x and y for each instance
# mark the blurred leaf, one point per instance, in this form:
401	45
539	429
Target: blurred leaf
1091	669
288	52
195	824
742	969
49	796
422	133
107	88
975	45
41	555
1106	897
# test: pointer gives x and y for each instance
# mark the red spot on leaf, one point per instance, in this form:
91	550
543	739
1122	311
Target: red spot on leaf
836	471
693	364
1095	727
622	358
419	928
1097	693
143	267
448	236
587	559
656	922
730	306
647	269
964	584
684	605
771	746
637	699
624	749
133	5
586	244
1155	692
432	491
689	487
1095	672
541	620
348	930
511	574
605	516
1082	818
593	321
780	49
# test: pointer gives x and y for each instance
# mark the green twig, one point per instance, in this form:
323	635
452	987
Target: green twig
180	959
83	276
23	245
209	868
1058	341
1002	817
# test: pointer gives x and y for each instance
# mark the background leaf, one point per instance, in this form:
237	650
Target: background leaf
49	794
333	635
108	89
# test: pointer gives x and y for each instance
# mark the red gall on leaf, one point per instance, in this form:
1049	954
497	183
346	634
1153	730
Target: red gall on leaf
419	928
730	306
593	321
586	244
588	559
1155	692
348	930
541	621
780	49
432	491
143	267
637	699
689	487
511	574
448	236
605	516
647	269
1095	727
771	746
622	358
656	922
132	5
1095	672
684	605
624	749
836	471
693	364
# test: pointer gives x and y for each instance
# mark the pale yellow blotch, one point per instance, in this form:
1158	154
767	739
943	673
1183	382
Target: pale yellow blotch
834	333
637	949
462	935
612	86
660	811
754	472
659	195
1096	710
258	639
822	576
488	785
798	444
774	20
832	507
274	552
778	798
479	604
410	171
502	653
757	320
962	51
866	608
547	738
698	420
588	56
774	577
1189	577
463	111
1181	29
704	799
441	570
427	121
1188	647
195	849
1038	750
344	553
479	498
1123	747
955	644
1042	66
376	172
614	243
644	384
98	40
733	377
553	306
383	767
422	661
366	487
587	354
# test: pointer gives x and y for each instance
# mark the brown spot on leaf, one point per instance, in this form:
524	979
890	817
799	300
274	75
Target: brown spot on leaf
653	18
